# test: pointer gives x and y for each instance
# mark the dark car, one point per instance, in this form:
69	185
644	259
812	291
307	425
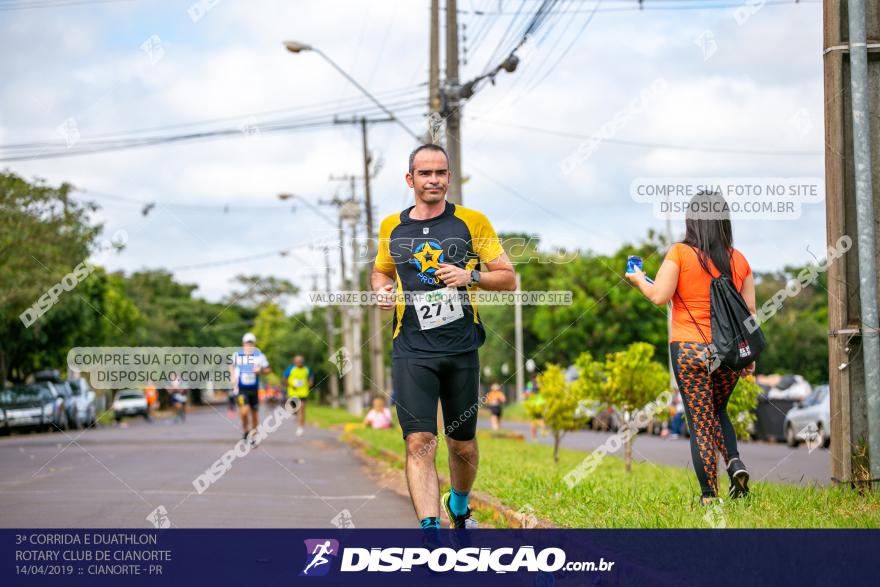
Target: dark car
66	391
36	405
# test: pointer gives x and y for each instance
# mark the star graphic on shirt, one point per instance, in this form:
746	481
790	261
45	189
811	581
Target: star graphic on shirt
428	258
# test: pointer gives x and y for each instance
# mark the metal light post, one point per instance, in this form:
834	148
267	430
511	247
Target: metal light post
328	313
297	47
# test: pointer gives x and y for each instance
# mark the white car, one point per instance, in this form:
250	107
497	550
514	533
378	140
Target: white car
130	402
810	420
84	398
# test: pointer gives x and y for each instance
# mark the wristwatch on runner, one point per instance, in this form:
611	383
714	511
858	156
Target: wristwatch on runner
475	276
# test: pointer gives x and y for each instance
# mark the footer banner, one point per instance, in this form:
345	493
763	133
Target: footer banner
447	557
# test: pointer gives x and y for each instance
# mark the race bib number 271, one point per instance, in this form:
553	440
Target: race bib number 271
438	307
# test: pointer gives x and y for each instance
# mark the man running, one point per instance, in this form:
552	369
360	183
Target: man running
299	380
247	366
432	251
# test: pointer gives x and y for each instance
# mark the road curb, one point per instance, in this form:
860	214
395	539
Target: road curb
479	501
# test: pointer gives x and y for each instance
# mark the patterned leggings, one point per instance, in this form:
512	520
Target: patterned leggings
705	399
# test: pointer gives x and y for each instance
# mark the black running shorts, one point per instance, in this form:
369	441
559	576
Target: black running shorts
454	380
249	397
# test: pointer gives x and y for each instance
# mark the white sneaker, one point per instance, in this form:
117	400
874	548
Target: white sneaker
299	431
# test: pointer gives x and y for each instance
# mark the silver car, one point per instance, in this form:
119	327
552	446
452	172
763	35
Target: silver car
809	420
85	400
36	405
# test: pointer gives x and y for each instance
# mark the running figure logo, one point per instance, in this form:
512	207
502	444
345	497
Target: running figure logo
317	551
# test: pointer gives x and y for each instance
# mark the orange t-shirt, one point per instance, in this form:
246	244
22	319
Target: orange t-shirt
693	288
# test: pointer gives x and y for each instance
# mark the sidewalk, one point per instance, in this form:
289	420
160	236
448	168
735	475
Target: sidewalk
115	477
766	461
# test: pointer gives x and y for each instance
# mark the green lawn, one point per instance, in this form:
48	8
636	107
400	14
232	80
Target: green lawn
524	476
327	416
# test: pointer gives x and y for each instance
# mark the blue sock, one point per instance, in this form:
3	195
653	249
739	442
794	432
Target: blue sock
458	502
430	522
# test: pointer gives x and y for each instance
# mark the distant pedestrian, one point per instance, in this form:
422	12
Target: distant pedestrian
495	401
379	417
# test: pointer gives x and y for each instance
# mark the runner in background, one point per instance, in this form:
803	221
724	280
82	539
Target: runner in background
495	401
299	381
247	366
534	404
152	395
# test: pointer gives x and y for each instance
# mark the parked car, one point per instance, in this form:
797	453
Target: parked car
35	405
86	402
65	391
809	420
130	402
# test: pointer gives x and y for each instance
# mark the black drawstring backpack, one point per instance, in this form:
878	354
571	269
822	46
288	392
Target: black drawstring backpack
734	344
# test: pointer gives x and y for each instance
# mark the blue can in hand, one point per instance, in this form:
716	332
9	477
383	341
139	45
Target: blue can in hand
634	261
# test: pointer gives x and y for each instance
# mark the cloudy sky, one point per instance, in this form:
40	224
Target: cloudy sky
740	95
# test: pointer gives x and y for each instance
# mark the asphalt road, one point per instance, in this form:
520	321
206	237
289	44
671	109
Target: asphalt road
119	476
116	477
766	461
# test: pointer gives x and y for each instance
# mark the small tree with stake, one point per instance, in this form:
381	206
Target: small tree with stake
633	380
561	402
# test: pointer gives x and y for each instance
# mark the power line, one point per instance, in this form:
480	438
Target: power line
207	264
356	107
567	49
646	7
89	147
650	145
26	4
318	109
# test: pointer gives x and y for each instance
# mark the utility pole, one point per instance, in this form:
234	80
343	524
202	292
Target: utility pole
673	384
851	204
451	109
434	60
518	342
353	377
354	401
377	352
331	331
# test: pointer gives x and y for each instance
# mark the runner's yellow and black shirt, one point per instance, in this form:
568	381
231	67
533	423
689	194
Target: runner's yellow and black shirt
415	249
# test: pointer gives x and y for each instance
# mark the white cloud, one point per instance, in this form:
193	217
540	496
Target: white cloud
231	64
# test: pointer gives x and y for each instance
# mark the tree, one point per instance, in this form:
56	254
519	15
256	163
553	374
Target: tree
741	405
561	402
259	290
606	312
797	333
44	237
633	380
590	384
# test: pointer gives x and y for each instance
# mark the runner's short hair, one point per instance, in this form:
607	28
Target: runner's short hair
429	147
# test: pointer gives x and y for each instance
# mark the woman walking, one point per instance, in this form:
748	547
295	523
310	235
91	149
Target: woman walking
684	277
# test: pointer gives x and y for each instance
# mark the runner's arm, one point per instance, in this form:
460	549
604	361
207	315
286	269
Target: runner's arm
663	288
498	277
383	283
748	294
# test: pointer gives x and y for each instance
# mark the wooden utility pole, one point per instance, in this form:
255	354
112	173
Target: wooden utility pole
331	332
351	315
452	111
849	429
434	60
519	351
377	352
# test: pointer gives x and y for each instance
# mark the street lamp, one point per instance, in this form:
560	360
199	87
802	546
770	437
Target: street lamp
297	47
